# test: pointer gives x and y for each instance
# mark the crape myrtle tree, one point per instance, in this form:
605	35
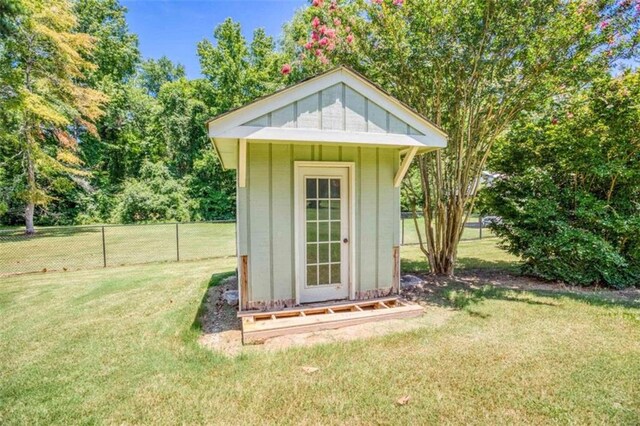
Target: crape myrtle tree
48	106
471	66
569	185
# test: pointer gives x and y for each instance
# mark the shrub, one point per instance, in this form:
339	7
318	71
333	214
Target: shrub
569	191
154	196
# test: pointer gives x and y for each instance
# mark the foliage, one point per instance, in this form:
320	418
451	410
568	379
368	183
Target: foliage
9	10
239	72
471	66
569	193
153	74
155	196
116	53
212	188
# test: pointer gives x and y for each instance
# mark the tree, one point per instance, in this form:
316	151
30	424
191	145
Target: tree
569	186
472	66
153	74
239	72
50	107
116	51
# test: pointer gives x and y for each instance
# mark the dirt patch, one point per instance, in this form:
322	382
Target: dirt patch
220	324
222	328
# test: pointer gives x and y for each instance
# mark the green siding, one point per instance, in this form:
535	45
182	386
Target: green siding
266	215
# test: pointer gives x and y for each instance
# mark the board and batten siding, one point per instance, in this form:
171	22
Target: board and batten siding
266	216
338	107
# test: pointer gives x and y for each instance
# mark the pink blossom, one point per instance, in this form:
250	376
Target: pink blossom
330	32
348	29
334	5
398	2
318	52
322	29
604	25
350	38
286	69
323	41
331	46
324	59
309	45
315	36
315	22
337	22
317	3
376	1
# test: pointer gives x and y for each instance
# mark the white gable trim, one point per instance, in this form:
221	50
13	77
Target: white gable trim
237	118
331	136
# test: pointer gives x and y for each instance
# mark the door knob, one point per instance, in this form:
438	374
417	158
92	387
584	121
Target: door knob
346	240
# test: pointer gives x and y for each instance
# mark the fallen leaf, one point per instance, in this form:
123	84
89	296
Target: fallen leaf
404	400
310	369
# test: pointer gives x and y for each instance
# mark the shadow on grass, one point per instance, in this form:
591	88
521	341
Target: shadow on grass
460	294
465	263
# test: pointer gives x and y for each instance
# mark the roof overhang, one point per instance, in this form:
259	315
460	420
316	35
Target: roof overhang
229	128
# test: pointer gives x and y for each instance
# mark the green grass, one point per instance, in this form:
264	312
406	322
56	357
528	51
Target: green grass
472	254
81	247
119	345
469	233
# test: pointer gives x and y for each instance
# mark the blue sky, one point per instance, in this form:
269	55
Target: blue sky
174	27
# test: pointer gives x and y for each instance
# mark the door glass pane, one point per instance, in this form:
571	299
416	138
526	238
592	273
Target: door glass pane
335	273
312	231
335	209
323	275
323	188
335	188
335	231
312	213
323	253
311	188
312	253
323	210
323	230
335	252
312	275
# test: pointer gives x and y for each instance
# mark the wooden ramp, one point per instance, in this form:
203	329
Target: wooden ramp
259	326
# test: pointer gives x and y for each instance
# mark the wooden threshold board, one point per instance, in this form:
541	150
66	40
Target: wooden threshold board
259	326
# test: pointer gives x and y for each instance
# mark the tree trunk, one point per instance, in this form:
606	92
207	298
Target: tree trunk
449	198
32	189
28	218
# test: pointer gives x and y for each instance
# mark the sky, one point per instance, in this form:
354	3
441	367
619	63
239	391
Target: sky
174	27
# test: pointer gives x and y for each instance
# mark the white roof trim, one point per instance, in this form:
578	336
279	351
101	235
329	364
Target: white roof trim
236	118
331	136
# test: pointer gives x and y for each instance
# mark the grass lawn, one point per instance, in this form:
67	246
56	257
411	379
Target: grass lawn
471	232
119	346
74	248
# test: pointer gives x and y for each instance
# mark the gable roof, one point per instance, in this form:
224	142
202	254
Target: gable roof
350	109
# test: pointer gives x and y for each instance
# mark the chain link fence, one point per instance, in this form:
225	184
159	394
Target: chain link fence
82	247
97	246
475	228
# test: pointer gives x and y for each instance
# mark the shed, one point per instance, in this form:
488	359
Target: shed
319	166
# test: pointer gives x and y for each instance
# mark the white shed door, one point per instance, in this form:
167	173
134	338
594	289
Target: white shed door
323	215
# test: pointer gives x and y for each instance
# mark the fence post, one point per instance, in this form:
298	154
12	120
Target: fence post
402	220
104	250
177	245
480	223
